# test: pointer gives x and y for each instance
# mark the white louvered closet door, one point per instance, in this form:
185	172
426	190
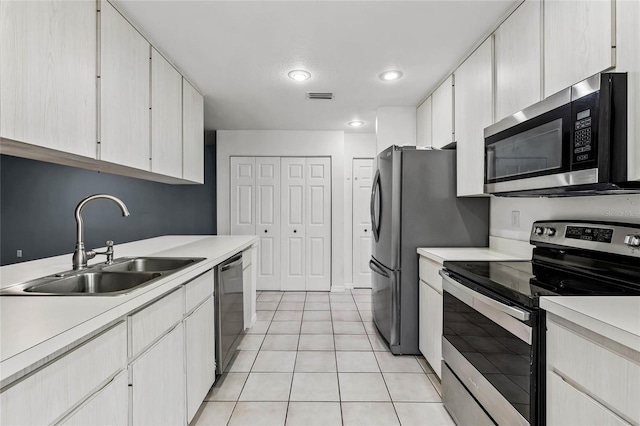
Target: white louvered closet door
243	211
318	224
268	222
292	252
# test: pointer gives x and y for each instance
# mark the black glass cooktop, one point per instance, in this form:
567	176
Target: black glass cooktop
524	282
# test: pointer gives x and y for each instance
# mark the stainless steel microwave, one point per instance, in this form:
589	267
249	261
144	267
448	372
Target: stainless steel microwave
571	143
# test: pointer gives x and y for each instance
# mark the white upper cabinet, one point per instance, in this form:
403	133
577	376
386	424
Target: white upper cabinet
54	109
192	134
166	117
442	114
124	91
518	60
423	124
473	112
578	40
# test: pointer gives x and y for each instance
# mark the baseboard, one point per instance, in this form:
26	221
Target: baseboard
254	318
338	288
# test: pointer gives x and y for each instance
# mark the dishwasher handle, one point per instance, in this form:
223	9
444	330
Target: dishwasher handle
232	263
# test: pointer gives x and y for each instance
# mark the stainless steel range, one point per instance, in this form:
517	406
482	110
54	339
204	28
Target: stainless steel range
494	331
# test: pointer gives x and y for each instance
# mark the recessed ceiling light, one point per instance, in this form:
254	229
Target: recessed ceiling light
299	75
390	75
356	123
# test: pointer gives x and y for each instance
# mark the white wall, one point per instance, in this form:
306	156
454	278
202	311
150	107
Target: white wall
612	208
355	146
285	143
395	126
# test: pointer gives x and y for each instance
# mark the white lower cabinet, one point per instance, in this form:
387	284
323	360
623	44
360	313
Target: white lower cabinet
158	382
200	353
591	380
105	407
430	313
47	394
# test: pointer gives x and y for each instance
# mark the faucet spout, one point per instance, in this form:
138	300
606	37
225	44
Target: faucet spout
80	255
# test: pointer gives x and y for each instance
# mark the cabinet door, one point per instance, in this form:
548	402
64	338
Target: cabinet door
124	91
48	74
192	134
442	114
243	211
473	106
422	317
518	60
568	406
433	336
166	117
200	353
578	40
318	225
107	407
423	124
292	252
158	382
268	222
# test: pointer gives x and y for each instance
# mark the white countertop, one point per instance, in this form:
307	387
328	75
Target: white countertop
34	327
615	317
440	254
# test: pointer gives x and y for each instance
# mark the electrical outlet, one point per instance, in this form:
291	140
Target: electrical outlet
515	218
19	253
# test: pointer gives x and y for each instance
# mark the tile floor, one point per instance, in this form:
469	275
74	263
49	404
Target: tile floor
316	359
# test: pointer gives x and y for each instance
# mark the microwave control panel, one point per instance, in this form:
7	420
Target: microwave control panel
582	146
584	111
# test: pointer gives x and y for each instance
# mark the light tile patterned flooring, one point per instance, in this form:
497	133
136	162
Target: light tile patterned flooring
316	359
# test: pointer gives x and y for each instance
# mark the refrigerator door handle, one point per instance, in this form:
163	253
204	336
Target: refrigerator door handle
375	189
375	268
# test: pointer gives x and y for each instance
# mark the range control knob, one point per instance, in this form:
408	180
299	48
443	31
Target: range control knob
550	232
632	240
538	230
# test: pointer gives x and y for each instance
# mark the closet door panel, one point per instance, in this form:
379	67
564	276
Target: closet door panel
268	222
293	184
243	210
318	224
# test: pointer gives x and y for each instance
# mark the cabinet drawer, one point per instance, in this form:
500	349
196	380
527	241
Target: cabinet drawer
106	407
42	397
607	376
568	406
428	270
147	325
198	289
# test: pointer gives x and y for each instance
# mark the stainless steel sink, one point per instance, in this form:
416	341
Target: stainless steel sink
148	264
124	275
94	283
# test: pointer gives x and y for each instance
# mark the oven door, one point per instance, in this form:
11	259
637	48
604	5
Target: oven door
490	348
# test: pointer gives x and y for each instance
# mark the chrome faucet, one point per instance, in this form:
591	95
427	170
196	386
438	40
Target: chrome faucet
80	255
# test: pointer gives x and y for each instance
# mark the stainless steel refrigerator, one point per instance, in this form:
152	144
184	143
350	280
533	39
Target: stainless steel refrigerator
414	204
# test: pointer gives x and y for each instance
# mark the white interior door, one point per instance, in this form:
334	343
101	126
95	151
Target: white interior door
362	181
268	222
318	221
293	224
243	211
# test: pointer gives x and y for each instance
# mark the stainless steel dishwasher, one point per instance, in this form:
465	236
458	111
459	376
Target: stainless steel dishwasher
229	311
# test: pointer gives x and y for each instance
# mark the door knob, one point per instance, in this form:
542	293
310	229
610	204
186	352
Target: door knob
294	231
365	230
265	231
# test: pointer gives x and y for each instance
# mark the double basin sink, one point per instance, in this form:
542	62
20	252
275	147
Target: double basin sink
122	276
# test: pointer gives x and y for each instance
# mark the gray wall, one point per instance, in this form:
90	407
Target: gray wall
37	201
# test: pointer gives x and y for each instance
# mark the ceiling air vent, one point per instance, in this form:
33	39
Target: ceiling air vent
319	95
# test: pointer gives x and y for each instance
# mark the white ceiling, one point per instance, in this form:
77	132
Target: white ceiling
238	54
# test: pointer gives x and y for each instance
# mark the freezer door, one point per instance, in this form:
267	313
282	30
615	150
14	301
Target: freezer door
385	205
384	298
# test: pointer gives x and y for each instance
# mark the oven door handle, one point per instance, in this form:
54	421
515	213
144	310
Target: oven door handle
509	310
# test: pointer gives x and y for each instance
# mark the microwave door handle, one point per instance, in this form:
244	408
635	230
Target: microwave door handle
509	310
